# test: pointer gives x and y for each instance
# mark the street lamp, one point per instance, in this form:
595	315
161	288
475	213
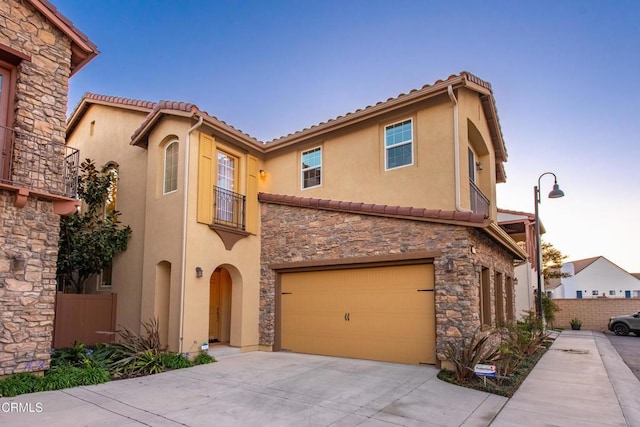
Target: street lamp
554	194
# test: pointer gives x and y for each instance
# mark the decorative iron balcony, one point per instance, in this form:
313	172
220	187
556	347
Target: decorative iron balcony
37	163
228	208
479	202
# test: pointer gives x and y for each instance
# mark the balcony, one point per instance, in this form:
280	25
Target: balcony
37	164
479	202
34	165
228	216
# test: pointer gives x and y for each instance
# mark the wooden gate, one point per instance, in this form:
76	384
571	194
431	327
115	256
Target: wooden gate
84	318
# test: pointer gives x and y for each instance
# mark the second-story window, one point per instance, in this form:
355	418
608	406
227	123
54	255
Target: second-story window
311	168
398	144
170	167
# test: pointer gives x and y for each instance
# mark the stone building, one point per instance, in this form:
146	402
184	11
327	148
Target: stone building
39	51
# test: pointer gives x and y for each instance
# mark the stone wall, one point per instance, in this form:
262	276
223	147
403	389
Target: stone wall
29	235
291	234
593	312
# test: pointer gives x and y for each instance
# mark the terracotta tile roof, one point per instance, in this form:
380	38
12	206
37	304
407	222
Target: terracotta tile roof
436	215
464	79
155	111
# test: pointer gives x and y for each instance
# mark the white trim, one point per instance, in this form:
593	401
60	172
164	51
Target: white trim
303	170
164	168
386	148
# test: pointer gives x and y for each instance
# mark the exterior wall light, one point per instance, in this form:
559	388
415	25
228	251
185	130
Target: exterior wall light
198	272
262	173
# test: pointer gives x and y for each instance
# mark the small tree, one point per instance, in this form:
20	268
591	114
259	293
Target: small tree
552	259
89	240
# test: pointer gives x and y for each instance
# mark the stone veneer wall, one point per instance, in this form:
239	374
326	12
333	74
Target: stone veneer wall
29	235
291	234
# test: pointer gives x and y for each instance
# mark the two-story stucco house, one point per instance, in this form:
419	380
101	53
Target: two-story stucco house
372	235
39	50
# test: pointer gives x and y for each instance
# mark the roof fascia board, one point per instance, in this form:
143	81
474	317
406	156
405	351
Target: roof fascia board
84	105
233	134
502	237
67	29
157	116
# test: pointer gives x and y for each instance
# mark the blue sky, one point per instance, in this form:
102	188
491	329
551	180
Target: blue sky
564	74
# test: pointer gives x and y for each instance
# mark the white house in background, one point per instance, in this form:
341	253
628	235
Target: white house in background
596	277
521	227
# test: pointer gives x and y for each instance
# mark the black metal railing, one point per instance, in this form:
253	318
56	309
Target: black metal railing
37	163
479	202
228	208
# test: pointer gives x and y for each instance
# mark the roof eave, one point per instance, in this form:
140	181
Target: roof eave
83	50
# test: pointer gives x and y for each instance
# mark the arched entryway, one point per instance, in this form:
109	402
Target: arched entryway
220	306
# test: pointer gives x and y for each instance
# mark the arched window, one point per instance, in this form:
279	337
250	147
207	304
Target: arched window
170	167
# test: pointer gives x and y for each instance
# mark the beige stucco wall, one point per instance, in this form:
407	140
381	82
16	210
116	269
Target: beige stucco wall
353	160
204	249
103	135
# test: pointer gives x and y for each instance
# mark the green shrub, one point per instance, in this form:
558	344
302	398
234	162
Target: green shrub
137	354
57	378
175	361
91	375
203	359
22	383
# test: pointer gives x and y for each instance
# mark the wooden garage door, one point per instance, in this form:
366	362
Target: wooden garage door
378	313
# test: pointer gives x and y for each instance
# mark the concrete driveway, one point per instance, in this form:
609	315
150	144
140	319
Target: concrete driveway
264	389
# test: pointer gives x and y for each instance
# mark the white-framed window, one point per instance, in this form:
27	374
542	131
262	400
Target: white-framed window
612	293
170	168
594	293
398	144
226	202
311	168
104	278
472	165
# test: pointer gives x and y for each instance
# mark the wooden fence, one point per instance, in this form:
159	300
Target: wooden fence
84	318
593	312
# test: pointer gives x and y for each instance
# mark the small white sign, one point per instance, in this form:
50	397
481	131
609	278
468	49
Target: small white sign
204	346
485	370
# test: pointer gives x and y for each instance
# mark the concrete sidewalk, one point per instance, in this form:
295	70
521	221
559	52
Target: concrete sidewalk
580	381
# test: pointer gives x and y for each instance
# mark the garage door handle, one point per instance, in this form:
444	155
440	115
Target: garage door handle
345	317
425	290
287	293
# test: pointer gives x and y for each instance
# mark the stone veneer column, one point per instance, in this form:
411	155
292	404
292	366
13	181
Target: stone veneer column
29	235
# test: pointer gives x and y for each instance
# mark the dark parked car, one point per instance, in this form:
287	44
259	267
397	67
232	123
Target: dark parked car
622	325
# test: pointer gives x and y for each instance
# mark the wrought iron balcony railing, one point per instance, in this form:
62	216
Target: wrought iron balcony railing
479	202
38	164
228	208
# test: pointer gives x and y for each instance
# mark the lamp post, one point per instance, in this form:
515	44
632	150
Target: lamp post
554	194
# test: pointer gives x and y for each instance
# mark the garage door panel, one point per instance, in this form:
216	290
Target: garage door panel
371	313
